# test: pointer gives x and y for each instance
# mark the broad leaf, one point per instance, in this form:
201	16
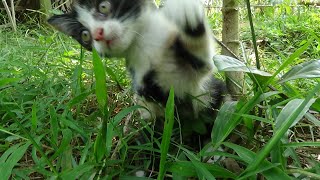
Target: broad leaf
292	106
267	169
310	69
283	128
226	63
224	123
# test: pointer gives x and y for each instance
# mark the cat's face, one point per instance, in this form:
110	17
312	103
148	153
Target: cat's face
109	26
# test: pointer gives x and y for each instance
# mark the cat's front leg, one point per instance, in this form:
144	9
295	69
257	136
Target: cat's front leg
195	43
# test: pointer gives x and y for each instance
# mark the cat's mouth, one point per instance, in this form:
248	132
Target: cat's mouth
110	42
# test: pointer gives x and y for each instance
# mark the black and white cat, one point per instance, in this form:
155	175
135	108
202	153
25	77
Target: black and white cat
167	47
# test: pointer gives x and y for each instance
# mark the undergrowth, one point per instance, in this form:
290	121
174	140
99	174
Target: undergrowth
67	114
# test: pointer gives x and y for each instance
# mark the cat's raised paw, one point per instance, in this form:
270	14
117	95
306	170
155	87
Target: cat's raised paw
188	15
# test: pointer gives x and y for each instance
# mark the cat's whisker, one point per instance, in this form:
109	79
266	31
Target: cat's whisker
129	13
118	9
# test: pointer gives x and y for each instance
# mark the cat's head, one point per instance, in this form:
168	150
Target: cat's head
109	26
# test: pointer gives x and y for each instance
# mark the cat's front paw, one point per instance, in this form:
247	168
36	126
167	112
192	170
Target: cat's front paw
188	15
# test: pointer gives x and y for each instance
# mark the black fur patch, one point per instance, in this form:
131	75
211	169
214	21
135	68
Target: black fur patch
185	57
151	90
119	8
68	24
218	93
200	30
126	8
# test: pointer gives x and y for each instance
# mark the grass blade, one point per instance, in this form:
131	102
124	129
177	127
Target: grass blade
309	69
66	140
224	123
266	168
202	172
12	160
123	113
290	59
167	132
54	125
35	144
282	130
289	108
34	119
187	169
100	75
76	172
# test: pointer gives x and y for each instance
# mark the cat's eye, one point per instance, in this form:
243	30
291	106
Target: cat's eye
104	7
85	36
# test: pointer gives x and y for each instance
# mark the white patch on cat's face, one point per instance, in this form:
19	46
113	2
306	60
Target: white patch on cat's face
121	33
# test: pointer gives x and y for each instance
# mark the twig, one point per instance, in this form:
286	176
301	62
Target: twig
226	48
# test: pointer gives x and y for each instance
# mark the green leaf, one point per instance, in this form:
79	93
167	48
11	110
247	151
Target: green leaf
54	126
312	119
167	132
187	169
100	75
6	81
11	159
113	75
310	69
267	169
76	172
302	144
34	119
292	117
79	99
66	140
74	126
226	63
134	178
124	112
292	106
109	137
290	59
85	152
224	123
202	172
100	143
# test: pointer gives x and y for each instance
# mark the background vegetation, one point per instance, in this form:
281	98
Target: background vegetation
62	119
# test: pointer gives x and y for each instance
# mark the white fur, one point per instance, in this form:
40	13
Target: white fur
145	44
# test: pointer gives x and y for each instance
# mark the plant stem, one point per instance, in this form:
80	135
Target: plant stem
254	40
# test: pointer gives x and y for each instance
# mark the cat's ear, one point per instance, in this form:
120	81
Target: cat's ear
65	23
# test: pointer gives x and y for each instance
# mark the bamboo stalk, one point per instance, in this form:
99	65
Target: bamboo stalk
9	14
13	13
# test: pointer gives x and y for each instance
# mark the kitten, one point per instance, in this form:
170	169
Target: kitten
167	47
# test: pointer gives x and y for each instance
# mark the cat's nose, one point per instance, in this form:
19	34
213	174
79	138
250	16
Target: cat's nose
98	34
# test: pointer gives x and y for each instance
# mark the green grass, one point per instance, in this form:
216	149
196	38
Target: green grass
63	111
